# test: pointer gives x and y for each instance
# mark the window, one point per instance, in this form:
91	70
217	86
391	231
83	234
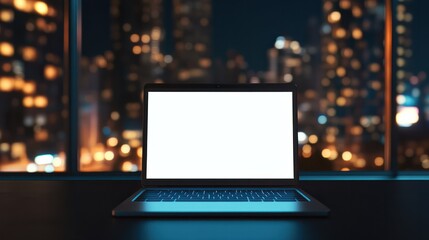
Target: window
333	50
33	116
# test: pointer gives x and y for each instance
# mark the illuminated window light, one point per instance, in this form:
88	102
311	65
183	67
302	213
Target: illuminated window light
137	50
331	112
280	43
345	4
85	157
330	138
156	34
109	155
29	87
332	47
295	46
340	33
140	152
326	153
356	130
407	116
145	49
19	83
49	168
347	156
341	71
400	62
327	6
348	52
205	62
101	61
322	119
168	59
341	101
31	167
44	159
134	143
112	142
18	150
347	92
401	99
22	5
115	116
313	139
125	149
127	166
306	148
145	38
40	101
355	64
4	147
131	134
378	161
29	53
425	164
51	72
357	33
57	162
28	102
357	11
334	17
360	163
7	84
302	138
6	49
41	8
6	15
134	38
98	156
400	29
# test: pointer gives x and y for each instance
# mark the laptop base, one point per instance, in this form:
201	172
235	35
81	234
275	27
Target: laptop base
130	208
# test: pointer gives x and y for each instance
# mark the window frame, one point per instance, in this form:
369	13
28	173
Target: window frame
72	54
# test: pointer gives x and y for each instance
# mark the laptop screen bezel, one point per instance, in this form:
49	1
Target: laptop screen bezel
218	182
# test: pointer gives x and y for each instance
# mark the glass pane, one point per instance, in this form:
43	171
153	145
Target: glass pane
332	49
412	89
32	113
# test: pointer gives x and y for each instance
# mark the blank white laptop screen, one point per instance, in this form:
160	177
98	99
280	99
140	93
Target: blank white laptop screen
220	135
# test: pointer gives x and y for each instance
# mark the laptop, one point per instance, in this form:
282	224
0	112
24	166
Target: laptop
220	150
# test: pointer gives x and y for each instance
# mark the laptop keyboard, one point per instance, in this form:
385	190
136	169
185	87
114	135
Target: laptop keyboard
263	195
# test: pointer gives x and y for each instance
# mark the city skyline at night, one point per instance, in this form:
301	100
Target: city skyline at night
32	122
289	60
334	52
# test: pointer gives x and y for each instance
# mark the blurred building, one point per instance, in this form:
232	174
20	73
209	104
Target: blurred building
408	84
286	62
291	62
412	91
353	83
192	39
32	136
136	58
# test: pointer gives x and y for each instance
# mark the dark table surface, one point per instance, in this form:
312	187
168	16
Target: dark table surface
82	210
